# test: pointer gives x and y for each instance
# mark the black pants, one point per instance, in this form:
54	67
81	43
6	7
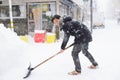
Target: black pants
75	54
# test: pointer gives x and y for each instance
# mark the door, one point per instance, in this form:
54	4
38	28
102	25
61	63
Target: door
38	17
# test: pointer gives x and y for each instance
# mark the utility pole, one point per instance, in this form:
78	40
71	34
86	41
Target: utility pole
10	14
91	15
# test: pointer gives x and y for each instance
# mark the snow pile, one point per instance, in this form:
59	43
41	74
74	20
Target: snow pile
11	52
8	36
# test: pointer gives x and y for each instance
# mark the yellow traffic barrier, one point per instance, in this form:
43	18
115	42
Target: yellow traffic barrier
24	38
50	37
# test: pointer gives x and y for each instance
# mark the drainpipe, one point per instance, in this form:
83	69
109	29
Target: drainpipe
10	14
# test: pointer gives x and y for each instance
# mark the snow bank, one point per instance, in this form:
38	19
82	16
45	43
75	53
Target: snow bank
10	58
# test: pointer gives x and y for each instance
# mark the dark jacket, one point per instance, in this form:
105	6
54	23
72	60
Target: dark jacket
79	31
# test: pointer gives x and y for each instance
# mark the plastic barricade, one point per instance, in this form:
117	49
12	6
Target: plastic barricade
24	38
39	36
50	37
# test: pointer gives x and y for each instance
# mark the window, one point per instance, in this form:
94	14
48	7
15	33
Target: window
18	11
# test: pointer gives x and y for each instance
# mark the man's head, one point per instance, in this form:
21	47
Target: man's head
66	19
67	23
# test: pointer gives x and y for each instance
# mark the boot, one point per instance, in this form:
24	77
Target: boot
93	67
74	73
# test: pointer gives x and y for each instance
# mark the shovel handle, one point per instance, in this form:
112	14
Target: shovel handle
52	56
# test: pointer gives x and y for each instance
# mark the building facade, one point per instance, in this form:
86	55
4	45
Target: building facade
29	15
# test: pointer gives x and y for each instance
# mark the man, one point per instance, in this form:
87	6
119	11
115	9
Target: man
56	29
81	42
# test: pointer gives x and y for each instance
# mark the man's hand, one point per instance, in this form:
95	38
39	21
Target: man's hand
61	51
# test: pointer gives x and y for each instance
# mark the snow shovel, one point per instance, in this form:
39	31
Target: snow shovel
31	69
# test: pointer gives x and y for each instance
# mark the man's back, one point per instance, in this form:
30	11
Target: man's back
80	31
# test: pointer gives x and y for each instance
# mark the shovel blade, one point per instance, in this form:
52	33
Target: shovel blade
29	71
